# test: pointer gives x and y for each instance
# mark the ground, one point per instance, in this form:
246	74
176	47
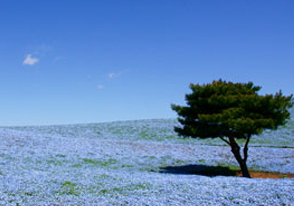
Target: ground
137	163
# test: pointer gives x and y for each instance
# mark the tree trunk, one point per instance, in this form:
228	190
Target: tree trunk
244	169
242	161
243	165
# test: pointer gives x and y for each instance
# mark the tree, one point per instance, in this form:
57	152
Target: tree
231	111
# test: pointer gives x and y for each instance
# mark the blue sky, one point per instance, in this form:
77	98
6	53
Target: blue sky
80	61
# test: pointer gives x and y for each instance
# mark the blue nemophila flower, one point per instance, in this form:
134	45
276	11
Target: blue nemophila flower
121	163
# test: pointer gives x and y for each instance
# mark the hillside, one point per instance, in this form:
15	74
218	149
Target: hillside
136	163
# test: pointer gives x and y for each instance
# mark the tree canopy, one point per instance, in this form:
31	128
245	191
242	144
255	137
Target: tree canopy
229	110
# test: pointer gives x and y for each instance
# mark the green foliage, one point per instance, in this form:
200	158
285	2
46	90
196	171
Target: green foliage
226	109
102	163
69	188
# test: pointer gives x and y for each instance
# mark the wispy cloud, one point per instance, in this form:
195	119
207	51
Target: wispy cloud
109	78
115	75
29	60
112	75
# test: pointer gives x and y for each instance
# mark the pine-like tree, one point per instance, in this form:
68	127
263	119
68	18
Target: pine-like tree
231	111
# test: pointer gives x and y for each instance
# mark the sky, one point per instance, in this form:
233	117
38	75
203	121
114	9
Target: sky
86	61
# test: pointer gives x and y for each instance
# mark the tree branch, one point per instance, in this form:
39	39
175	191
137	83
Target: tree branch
226	141
245	150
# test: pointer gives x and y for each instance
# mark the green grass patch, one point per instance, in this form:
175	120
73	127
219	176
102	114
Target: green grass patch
230	167
61	155
69	188
125	190
55	162
127	166
99	162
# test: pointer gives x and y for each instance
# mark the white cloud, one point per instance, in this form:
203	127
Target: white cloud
29	60
100	86
112	75
115	75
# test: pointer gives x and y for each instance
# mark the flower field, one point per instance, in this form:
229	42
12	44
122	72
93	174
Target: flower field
137	163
